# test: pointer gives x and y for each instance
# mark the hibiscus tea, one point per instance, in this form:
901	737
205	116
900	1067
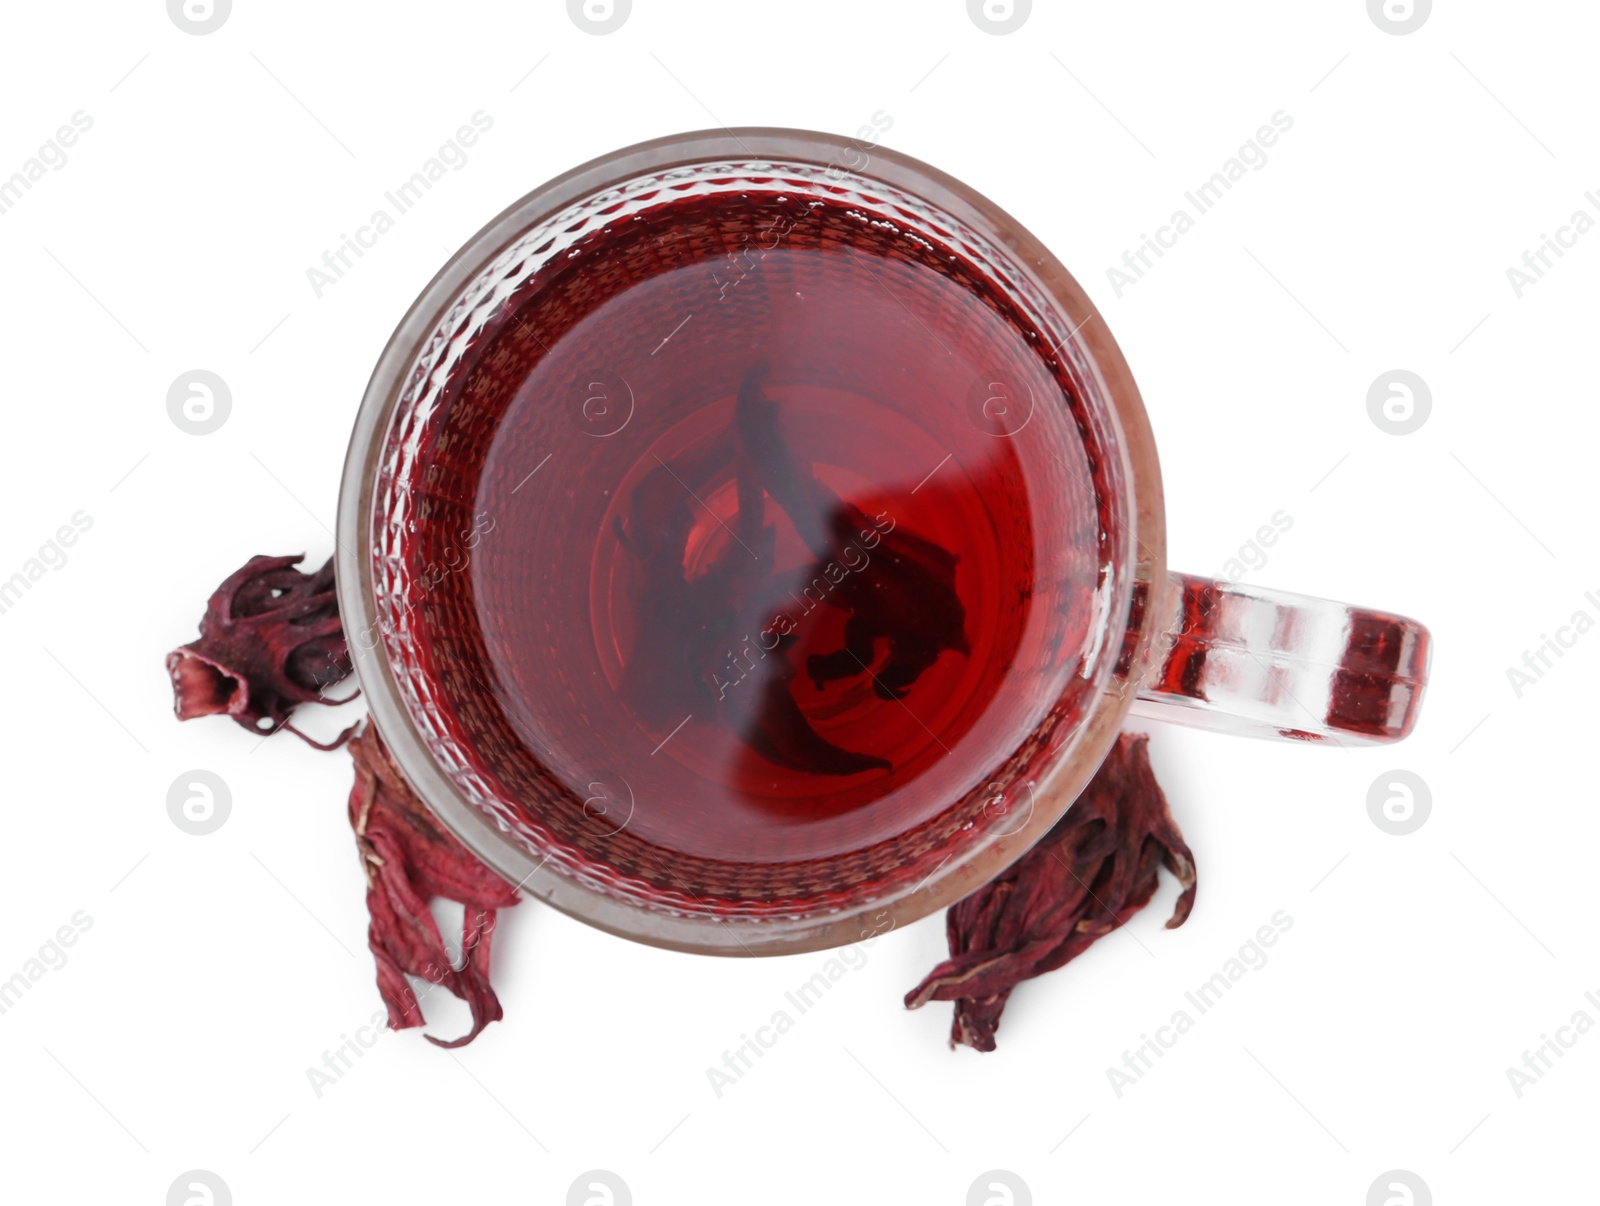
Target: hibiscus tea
756	526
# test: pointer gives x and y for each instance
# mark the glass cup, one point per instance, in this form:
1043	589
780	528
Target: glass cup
1161	645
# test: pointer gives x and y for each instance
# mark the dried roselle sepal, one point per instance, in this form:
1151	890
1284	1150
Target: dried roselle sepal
270	640
1094	870
409	859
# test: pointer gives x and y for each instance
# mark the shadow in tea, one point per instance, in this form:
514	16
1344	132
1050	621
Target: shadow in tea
860	622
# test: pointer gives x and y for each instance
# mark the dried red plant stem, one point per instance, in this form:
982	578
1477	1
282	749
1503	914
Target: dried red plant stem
409	859
1093	871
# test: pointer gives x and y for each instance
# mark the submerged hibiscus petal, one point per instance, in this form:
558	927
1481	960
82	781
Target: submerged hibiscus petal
270	640
409	859
1094	870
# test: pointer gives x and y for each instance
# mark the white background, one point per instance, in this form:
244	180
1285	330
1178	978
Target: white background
219	969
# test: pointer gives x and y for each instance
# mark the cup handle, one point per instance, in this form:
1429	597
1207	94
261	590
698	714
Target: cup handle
1266	663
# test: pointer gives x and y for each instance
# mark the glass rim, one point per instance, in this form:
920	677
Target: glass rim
1095	352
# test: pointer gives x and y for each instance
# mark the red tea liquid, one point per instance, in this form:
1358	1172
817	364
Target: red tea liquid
785	531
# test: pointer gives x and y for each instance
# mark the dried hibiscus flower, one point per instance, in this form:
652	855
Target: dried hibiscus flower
908	606
1094	870
269	641
409	859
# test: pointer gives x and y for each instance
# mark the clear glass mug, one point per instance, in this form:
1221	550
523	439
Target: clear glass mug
1165	646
